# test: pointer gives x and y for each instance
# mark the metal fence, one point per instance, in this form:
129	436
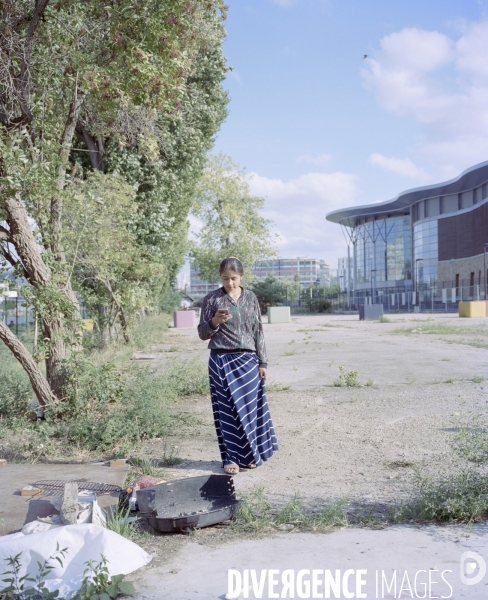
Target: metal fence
441	296
15	312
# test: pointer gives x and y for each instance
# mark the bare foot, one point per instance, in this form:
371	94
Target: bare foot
231	469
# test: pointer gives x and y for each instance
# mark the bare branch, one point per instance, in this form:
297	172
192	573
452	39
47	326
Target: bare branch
68	133
95	149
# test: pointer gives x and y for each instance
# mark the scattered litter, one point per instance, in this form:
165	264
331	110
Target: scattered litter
128	497
119	462
42	524
141	356
143	482
56	486
185	504
30	490
89	510
86	542
286	527
3	462
69	506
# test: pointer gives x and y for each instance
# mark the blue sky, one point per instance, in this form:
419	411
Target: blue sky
319	127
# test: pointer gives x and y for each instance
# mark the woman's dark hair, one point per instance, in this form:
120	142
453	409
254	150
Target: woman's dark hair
231	264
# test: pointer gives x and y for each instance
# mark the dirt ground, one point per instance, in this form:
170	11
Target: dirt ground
424	374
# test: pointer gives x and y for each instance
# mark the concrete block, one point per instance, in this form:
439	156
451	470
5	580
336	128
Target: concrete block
118	462
184	318
279	314
29	490
69	507
370	312
3	462
473	309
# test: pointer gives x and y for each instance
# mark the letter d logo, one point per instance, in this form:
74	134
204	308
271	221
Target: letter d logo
470	563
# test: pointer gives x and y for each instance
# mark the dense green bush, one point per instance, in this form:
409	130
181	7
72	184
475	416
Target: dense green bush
109	403
116	410
15	388
170	301
188	377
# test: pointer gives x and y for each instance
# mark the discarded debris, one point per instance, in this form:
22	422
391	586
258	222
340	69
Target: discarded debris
118	462
3	462
30	490
141	356
143	482
185	504
69	506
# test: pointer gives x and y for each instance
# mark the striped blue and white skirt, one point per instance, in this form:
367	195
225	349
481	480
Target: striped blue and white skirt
244	428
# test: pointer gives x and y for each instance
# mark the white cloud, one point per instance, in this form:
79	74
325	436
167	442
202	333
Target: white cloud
321	159
234	73
283	2
298	208
401	166
443	84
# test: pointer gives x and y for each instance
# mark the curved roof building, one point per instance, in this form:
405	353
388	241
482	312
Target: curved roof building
425	240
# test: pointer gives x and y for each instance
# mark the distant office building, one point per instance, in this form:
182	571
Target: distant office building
426	247
198	287
344	270
183	281
311	271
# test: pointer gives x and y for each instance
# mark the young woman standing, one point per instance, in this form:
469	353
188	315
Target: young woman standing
230	318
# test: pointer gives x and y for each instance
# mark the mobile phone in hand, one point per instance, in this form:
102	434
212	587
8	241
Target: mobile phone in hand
223	311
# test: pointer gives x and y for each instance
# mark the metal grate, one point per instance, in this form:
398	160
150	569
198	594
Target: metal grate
56	486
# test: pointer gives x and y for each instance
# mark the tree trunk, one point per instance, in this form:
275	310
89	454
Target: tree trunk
125	327
54	330
103	326
39	384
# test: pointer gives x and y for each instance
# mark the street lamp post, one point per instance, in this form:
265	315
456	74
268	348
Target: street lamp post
340	290
417	283
373	287
484	267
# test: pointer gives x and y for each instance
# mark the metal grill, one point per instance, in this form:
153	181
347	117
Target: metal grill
55	487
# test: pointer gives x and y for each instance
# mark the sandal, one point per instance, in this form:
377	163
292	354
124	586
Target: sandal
231	469
250	466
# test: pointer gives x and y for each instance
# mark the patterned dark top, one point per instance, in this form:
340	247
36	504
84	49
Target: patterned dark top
243	332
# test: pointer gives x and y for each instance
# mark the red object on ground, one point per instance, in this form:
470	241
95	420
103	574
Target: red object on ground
143	482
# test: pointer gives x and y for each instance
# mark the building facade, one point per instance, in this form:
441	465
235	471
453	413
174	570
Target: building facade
198	287
424	248
311	271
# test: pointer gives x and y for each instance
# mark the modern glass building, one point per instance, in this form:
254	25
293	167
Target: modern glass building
311	271
424	248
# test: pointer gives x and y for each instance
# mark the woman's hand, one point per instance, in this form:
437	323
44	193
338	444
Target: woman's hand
263	373
219	318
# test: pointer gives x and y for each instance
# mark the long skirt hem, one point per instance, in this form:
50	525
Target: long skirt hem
243	424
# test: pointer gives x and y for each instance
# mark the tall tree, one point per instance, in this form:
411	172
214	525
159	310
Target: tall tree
231	224
65	65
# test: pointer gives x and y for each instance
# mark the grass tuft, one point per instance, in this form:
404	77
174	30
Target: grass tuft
461	498
347	379
256	514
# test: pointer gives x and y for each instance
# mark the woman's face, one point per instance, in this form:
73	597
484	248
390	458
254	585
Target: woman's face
230	280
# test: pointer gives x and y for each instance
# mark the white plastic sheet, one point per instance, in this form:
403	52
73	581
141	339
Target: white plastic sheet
84	542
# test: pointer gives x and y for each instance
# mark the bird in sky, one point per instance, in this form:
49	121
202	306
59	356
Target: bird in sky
365	56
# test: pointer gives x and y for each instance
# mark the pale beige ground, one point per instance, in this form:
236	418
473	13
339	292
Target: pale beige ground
363	443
